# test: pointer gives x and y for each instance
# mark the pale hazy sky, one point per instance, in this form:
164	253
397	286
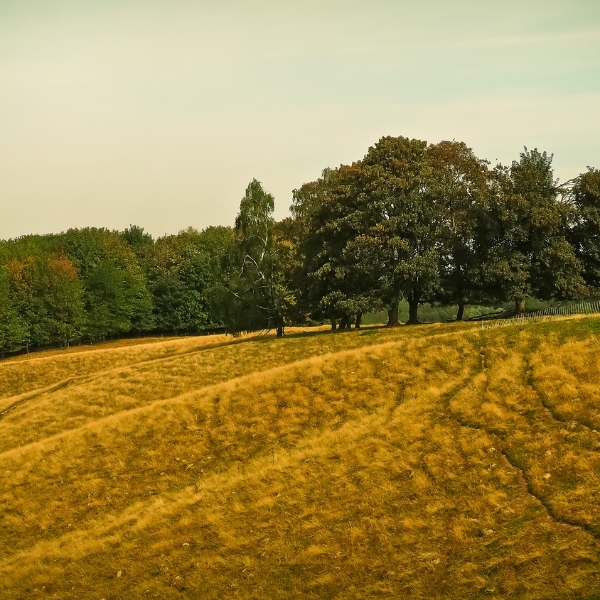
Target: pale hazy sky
159	113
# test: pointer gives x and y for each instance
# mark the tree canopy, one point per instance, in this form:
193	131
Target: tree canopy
410	221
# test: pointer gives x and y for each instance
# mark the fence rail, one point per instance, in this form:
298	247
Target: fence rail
579	308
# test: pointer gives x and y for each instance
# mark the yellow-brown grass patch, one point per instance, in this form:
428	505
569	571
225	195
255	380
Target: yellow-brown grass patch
433	462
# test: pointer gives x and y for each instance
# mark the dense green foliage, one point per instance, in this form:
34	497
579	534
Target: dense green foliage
410	223
584	235
434	224
258	292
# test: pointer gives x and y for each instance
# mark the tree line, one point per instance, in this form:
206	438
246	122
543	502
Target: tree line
409	221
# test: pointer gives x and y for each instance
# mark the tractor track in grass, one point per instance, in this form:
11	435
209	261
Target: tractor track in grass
207	391
394	455
35	393
88	377
548	408
78	380
198	392
503	446
141	513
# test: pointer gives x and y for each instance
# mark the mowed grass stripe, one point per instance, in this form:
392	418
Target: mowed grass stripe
101	533
128	388
36	371
232	424
23	374
372	471
376	488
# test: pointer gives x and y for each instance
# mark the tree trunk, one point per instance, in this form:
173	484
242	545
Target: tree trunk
358	320
393	315
519	305
413	309
461	311
333	323
279	326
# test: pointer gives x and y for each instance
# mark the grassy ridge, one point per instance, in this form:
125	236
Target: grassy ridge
431	462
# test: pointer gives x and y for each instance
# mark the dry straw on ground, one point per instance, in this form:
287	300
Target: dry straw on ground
433	462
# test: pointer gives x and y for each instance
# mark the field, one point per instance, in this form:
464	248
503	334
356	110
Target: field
437	461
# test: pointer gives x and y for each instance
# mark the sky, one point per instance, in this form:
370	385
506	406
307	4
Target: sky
159	113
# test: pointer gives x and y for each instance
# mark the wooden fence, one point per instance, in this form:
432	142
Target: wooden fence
547	314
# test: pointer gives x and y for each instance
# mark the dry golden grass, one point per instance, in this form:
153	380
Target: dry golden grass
430	462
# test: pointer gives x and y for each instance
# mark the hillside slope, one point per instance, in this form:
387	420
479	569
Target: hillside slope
429	462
